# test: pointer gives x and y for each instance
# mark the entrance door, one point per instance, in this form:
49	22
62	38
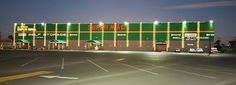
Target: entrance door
160	47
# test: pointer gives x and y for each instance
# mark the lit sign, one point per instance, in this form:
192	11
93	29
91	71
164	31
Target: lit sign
22	27
210	34
105	27
121	34
190	36
175	35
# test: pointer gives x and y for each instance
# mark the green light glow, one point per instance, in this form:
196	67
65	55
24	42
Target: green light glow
211	24
155	22
68	23
101	23
211	21
42	23
126	23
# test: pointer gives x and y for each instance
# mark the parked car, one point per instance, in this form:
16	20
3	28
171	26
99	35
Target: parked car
177	50
214	50
192	50
199	50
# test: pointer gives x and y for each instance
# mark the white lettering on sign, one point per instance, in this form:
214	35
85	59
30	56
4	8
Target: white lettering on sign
204	37
61	34
210	34
40	37
121	34
190	44
73	34
190	34
21	34
175	35
57	34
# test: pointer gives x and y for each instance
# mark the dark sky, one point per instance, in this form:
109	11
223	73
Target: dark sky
223	12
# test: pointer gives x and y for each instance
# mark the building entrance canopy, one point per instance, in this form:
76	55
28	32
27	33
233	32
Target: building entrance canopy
24	41
57	41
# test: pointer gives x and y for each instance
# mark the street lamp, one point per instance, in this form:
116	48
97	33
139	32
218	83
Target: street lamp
126	23
68	23
211	21
155	22
101	23
42	23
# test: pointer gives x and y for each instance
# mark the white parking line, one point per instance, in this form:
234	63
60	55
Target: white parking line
153	73
62	63
187	72
98	65
29	62
196	74
61	77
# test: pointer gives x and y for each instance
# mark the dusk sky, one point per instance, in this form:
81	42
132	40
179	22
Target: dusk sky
223	12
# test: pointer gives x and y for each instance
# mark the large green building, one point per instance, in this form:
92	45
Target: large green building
144	36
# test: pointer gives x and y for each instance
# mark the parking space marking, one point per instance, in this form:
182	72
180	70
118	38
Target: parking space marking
196	74
21	76
186	72
60	77
31	61
98	65
143	70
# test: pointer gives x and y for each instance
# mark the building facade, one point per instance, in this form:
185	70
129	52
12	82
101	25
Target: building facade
136	36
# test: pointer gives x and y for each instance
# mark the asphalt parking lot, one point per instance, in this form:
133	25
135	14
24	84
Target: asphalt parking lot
115	68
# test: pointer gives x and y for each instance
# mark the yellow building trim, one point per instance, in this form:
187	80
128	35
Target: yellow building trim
34	29
23	35
56	31
67	34
154	37
168	36
183	31
78	34
198	34
90	31
45	35
102	35
140	35
127	35
115	35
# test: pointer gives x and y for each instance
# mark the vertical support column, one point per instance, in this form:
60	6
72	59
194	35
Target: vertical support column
114	35
102	34
154	36
45	35
78	34
56	31
55	35
127	35
183	31
198	34
67	34
90	31
34	30
140	35
168	36
14	35
23	34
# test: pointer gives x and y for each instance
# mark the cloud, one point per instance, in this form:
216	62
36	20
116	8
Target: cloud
205	5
